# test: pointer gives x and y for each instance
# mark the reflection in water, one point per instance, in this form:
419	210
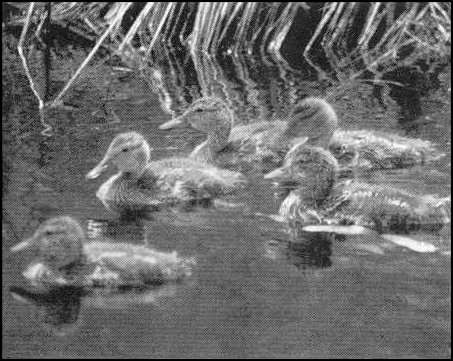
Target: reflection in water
59	310
313	252
308	251
236	79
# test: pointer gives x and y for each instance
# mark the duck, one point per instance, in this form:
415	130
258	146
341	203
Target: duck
313	120
257	143
319	202
65	259
141	184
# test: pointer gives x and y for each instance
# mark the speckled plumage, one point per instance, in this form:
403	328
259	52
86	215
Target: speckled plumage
257	143
320	199
378	150
62	258
141	184
313	119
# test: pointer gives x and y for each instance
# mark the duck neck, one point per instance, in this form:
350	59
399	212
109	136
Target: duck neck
296	208
136	170
317	188
322	139
207	151
134	175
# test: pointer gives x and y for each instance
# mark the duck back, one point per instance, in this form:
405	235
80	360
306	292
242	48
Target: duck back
121	264
113	266
378	150
384	209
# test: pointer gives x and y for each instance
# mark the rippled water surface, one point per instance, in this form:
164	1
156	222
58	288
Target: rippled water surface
251	294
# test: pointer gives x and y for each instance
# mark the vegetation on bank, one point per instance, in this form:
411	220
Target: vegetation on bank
344	42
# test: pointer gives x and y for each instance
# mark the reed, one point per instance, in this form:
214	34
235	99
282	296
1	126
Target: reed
355	38
380	37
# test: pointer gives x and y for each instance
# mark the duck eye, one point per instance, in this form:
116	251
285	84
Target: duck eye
199	110
125	149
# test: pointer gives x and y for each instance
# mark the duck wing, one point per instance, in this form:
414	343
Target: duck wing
186	181
124	193
122	264
162	165
384	209
241	133
382	150
246	138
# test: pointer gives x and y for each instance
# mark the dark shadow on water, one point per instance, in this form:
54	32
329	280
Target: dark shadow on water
57	310
310	251
314	251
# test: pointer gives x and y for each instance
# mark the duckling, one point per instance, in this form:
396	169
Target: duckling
64	259
262	142
374	150
319	202
211	116
313	119
141	184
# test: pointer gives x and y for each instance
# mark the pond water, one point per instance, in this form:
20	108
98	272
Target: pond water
251	295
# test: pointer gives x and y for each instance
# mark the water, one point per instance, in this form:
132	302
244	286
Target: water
251	294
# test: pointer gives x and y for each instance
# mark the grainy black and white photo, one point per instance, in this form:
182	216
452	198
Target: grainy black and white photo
226	180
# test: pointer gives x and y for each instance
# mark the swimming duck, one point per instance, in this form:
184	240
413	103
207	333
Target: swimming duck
318	202
141	184
259	142
64	259
312	118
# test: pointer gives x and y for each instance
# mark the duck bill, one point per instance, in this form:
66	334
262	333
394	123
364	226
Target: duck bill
279	173
100	168
174	123
27	244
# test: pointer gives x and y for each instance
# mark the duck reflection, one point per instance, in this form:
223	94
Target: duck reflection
57	309
310	251
60	310
304	251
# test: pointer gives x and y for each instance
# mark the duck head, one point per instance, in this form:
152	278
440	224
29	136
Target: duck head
310	169
207	114
58	242
315	119
129	152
